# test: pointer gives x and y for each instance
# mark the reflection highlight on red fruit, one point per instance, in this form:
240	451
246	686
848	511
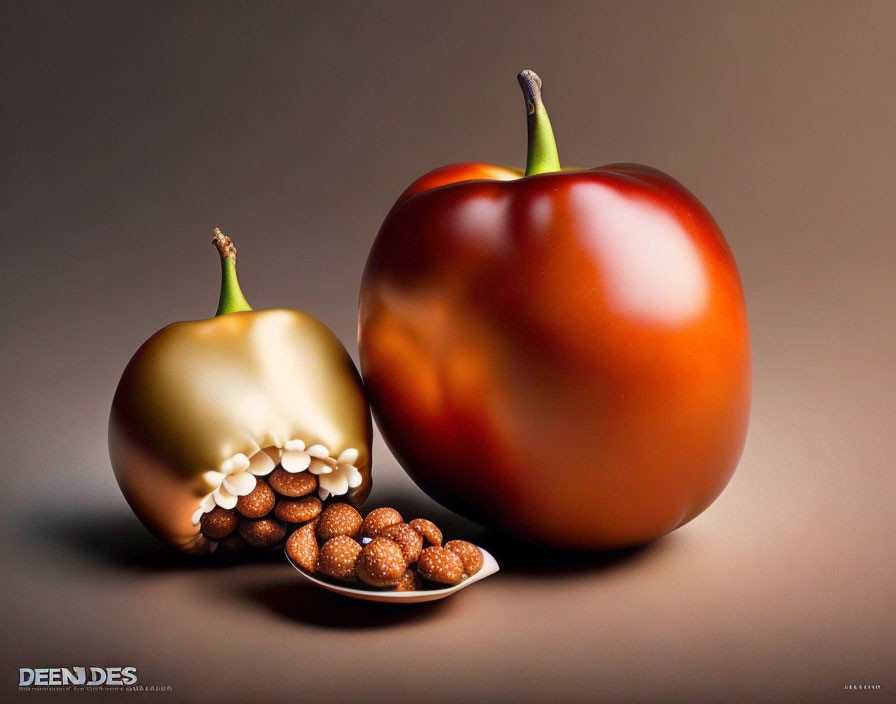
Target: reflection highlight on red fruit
562	355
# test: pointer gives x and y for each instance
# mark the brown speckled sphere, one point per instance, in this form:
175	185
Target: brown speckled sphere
468	553
381	563
257	503
409	540
429	530
302	547
337	558
440	565
298	511
378	519
338	519
218	523
294	485
262	532
410	581
233	544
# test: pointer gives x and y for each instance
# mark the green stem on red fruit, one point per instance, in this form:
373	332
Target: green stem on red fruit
232	299
542	154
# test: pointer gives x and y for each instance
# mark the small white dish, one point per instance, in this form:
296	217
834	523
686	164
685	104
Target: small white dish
489	567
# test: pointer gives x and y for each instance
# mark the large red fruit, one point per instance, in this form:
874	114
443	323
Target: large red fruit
561	355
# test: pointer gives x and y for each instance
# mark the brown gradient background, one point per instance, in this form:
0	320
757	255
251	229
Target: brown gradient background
131	129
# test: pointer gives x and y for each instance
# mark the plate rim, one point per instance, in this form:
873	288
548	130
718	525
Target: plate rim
489	567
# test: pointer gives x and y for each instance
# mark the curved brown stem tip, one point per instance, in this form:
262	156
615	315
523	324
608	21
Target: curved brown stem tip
225	245
531	85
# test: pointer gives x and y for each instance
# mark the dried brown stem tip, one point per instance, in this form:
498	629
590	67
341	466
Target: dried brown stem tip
224	244
531	85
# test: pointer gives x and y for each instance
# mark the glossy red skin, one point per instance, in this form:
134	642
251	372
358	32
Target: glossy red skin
563	357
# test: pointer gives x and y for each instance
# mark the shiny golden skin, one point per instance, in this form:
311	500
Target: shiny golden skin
198	392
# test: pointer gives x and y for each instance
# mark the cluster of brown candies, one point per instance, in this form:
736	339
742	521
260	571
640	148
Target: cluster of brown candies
381	550
262	518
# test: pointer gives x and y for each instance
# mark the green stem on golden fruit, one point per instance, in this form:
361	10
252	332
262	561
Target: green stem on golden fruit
232	299
542	155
